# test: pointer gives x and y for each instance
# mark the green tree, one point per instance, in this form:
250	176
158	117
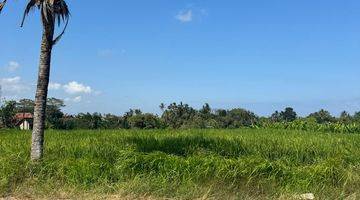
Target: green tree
322	116
241	118
162	107
54	115
221	118
7	113
177	115
345	118
137	112
205	111
357	116
97	121
204	118
25	106
276	117
288	114
112	121
144	121
51	12
89	121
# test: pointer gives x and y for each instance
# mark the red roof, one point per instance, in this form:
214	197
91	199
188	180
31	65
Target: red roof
21	116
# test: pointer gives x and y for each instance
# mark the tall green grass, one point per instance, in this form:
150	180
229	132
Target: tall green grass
184	164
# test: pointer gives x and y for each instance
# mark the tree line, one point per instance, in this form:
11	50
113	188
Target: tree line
180	116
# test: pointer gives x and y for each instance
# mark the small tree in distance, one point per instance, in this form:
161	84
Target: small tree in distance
288	114
322	116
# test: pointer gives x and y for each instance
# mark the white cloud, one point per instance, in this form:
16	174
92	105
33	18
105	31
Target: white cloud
12	66
75	99
13	85
185	16
54	86
73	88
13	80
77	88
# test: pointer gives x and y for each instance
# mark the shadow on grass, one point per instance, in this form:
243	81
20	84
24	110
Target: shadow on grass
185	146
267	148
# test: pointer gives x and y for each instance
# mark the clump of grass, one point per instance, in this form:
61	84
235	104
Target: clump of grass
185	164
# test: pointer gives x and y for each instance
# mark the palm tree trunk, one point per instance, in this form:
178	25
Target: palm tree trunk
37	143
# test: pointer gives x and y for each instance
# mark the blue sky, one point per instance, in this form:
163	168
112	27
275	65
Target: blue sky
256	54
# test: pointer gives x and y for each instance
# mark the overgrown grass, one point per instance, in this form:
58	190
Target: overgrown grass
220	164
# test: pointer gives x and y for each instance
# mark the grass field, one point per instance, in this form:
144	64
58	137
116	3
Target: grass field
182	164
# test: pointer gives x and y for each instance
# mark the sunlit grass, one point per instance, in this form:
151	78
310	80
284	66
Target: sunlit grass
184	164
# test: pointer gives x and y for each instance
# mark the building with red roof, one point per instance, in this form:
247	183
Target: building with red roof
24	120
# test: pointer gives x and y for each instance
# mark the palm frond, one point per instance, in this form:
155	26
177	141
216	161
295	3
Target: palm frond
53	11
61	14
29	7
62	33
2	4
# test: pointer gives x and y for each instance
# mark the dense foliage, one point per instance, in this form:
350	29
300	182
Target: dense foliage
182	164
183	116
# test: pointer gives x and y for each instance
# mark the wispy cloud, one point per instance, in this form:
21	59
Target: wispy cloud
191	13
185	16
77	99
13	85
13	80
12	66
54	86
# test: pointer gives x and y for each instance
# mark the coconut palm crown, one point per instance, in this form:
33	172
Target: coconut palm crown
52	11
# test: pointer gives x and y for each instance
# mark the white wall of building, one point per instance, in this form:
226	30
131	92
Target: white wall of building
25	125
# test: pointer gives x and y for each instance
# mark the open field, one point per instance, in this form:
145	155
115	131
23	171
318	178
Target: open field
182	164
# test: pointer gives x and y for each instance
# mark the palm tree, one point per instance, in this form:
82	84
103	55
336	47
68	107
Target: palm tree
52	12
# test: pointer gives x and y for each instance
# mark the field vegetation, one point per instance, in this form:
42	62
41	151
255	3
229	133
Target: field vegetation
182	164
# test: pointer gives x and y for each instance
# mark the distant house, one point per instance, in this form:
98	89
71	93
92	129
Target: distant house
24	121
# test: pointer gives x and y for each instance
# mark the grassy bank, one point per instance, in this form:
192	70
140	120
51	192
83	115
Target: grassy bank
220	164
